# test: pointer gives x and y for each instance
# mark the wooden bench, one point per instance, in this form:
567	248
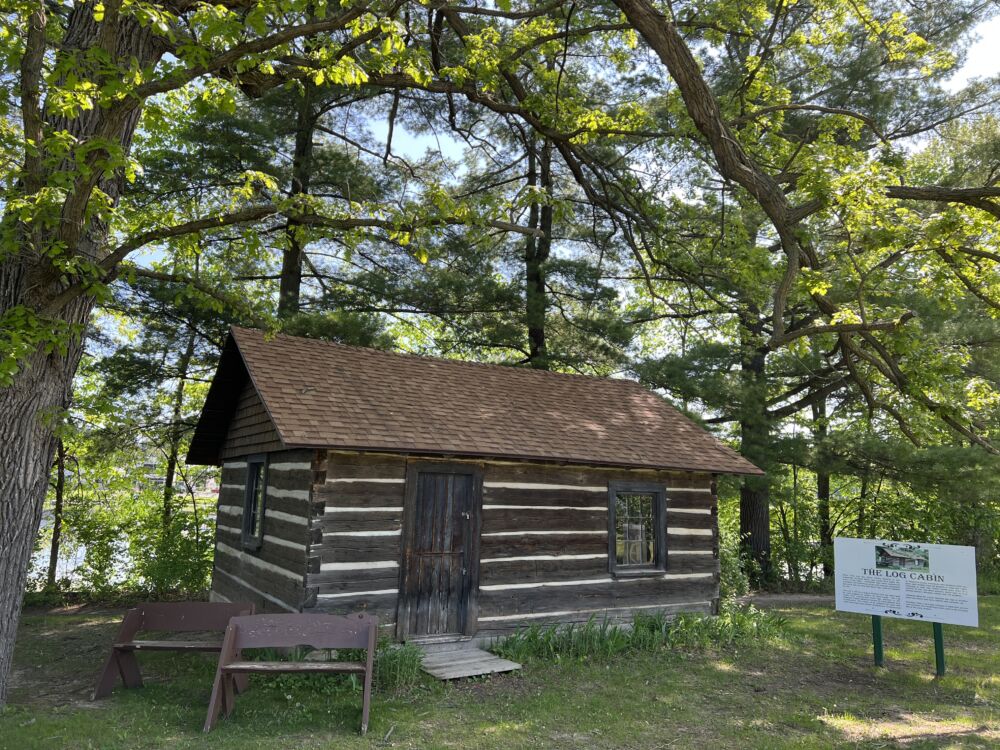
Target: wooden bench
289	631
166	617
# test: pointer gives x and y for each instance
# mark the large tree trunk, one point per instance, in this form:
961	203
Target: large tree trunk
29	410
32	405
755	495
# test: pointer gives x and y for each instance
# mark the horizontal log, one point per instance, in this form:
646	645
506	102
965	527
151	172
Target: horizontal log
283	529
361	521
268	578
360	575
689	542
680	563
231	494
386	580
346	466
527	571
383	606
697	500
235	589
517	519
612	594
690	520
300	479
265	574
234	475
360	494
358	549
573	498
588	476
494	628
521	545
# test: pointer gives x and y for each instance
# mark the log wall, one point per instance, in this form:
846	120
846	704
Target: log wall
544	548
272	577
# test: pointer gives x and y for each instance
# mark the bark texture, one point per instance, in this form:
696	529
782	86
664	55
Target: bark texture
29	411
33	404
536	254
755	494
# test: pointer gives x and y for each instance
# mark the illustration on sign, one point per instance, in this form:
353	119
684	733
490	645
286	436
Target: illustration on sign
902	556
909	580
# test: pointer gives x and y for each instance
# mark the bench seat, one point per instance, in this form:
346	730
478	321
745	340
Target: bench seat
169	645
345	667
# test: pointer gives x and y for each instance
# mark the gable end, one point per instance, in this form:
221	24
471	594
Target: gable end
251	429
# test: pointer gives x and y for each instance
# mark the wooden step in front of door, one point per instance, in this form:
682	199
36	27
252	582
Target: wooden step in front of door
463	660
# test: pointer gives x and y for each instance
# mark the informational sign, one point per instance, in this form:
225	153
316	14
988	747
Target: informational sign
909	580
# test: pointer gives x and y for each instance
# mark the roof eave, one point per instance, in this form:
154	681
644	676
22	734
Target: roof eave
751	469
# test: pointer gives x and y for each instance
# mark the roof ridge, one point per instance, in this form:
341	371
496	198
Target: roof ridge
271	335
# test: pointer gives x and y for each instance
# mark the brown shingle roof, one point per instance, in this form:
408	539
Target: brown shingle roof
321	394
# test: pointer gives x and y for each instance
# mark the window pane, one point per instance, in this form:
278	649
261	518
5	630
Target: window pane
635	529
255	500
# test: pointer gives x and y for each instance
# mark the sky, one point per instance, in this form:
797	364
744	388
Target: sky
983	61
984	55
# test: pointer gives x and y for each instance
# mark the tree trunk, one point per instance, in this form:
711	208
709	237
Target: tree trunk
176	429
823	486
537	249
862	503
57	514
34	402
29	411
290	285
755	495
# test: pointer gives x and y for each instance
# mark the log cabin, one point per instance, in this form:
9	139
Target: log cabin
453	499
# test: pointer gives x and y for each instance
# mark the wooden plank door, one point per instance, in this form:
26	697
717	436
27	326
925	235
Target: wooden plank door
440	570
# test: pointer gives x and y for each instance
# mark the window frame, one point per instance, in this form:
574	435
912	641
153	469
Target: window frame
659	493
253	541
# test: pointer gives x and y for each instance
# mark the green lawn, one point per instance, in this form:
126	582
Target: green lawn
815	689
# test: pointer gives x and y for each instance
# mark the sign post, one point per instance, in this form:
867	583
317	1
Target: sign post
935	583
877	640
939	649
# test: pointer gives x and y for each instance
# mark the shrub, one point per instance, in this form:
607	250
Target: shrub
733	578
397	669
648	632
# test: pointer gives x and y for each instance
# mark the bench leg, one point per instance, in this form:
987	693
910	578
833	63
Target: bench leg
366	703
228	694
128	666
241	682
107	678
215	702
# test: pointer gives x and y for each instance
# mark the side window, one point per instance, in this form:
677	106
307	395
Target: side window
253	502
636	528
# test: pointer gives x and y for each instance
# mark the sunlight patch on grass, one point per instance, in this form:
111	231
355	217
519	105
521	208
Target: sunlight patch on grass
903	726
503	727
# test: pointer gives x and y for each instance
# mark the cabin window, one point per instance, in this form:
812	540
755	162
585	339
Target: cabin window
253	502
636	528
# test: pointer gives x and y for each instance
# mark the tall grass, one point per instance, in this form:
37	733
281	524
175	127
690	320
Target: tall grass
648	632
397	669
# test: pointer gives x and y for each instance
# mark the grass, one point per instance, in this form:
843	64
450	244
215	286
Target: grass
596	639
814	687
